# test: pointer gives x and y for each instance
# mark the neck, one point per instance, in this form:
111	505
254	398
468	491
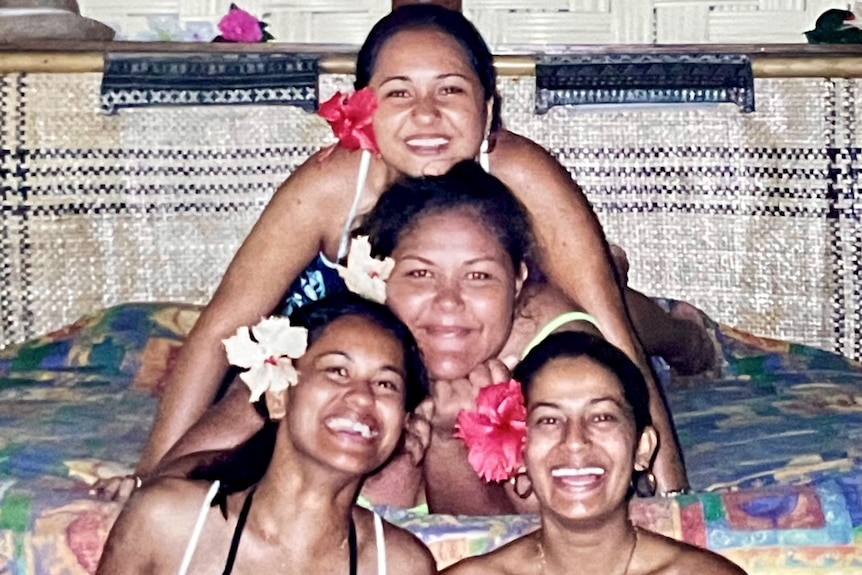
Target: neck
299	495
602	546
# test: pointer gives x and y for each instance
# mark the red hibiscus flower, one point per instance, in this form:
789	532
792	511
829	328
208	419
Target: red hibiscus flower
351	119
495	432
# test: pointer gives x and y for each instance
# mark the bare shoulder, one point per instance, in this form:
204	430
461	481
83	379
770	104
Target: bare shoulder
514	558
535	176
164	511
517	159
405	553
672	557
327	176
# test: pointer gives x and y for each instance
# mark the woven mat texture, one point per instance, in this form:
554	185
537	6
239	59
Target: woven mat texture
753	217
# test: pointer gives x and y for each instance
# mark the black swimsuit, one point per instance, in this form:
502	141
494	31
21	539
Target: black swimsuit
240	524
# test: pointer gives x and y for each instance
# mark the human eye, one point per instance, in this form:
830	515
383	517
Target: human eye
418	273
452	89
336	372
389	384
479	275
396	93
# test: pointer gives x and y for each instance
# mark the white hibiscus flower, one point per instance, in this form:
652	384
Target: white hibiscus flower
363	274
269	356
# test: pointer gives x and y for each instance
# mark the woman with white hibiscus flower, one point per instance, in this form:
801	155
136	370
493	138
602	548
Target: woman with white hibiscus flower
432	80
462	250
287	497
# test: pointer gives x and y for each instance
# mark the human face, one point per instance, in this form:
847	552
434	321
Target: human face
581	441
348	408
431	110
454	286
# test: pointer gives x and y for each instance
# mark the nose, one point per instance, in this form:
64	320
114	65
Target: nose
448	295
576	435
426	109
361	393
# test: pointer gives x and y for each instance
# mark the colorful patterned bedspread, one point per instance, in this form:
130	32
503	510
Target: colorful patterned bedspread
772	439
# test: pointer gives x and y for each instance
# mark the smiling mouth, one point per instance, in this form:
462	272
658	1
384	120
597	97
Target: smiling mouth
346	425
427	145
578	477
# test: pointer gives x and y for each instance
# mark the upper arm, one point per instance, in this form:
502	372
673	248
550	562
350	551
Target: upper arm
124	553
300	220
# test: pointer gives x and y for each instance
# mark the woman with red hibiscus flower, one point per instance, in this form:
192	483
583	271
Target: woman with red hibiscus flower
587	434
433	80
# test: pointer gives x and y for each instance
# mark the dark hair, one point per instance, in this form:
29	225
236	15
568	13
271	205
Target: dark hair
572	344
316	317
436	17
238	469
466	186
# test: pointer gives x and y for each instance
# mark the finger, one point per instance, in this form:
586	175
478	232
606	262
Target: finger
481	376
125	490
499	371
510	361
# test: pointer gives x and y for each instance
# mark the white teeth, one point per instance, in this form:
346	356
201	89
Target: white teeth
428	142
345	424
569	472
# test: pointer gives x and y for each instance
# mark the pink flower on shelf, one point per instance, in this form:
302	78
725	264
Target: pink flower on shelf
496	431
351	118
240	26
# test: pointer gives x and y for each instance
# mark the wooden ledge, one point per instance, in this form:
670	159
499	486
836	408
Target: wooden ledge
768	61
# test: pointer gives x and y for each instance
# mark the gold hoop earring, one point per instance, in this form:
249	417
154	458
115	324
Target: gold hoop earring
522	485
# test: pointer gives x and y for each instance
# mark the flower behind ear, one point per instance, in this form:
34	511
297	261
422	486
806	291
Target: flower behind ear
269	356
496	431
365	275
351	118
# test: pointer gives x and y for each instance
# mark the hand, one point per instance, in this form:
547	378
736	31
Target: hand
451	396
117	488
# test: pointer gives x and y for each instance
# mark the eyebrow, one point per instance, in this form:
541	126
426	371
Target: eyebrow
438	77
386	367
622	405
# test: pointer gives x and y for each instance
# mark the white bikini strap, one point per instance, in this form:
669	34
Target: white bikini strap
364	164
381	545
198	529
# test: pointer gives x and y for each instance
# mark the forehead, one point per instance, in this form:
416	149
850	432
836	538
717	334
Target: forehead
568	379
358	336
423	47
458	227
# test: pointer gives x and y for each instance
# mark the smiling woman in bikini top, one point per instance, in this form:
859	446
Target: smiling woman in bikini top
344	417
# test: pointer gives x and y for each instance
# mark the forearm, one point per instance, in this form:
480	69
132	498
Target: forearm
188	392
223	426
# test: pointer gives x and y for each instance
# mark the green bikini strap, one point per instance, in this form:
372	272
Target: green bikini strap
555	324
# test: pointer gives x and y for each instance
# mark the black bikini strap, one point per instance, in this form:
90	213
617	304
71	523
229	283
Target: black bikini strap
237	533
352	545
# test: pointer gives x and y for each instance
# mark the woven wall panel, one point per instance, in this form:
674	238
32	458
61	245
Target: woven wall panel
753	217
500	21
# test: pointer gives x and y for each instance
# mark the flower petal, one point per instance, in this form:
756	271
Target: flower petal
241	350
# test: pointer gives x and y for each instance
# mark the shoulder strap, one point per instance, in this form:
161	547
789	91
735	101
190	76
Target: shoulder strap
364	165
198	528
237	533
555	324
381	545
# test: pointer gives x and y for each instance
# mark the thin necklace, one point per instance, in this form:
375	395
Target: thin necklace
625	571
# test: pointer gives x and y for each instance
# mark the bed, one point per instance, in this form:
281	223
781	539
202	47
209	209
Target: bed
771	439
